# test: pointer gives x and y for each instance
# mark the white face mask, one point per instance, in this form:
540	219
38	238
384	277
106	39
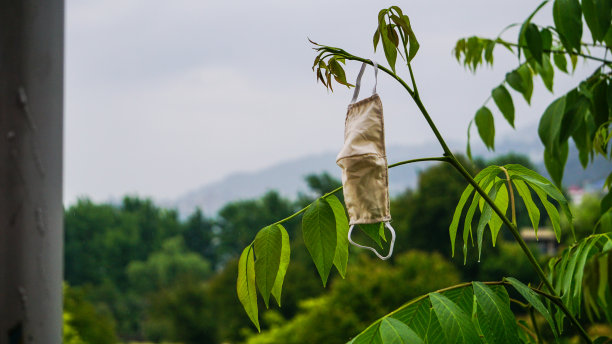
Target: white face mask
364	163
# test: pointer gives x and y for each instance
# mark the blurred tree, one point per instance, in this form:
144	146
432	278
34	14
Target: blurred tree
508	260
182	313
86	225
83	323
586	214
164	268
239	222
322	183
198	235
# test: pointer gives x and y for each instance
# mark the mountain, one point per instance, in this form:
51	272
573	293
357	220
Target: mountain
288	177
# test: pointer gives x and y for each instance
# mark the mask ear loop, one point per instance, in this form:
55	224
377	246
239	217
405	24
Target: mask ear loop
373	249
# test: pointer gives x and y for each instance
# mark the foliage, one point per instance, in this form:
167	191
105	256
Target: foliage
182	313
83	323
369	291
478	312
584	113
164	267
525	181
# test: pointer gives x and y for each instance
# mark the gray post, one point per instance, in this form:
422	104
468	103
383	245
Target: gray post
31	211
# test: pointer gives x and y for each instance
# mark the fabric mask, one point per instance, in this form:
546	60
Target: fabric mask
364	163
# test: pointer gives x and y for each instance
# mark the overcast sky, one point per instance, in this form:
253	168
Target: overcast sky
165	96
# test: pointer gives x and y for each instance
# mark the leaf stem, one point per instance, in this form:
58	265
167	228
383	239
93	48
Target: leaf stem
590	57
535	325
443	158
511	191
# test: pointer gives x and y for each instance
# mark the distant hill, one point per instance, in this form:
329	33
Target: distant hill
288	177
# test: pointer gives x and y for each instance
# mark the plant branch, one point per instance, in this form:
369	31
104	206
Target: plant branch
414	86
527	329
557	301
443	158
524	305
511	191
535	325
590	57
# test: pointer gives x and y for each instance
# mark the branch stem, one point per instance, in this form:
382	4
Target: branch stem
535	325
589	57
511	192
442	158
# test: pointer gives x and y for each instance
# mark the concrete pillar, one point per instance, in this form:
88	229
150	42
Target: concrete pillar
31	211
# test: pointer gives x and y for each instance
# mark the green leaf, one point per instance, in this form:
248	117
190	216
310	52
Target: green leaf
583	143
467	225
552	211
495	315
393	35
483	178
599	108
525	73
555	162
501	201
546	41
515	81
455	323
373	230
369	336
568	275
393	331
376	38
608	38
574	61
319	230
457	215
550	123
414	44
338	72
388	46
578	276
402	26
342	227
534	41
537	181
560	62
520	80
503	100
534	300
547	73
282	267
416	316
267	247
485	217
486	126
532	209
576	108
568	21
597	16
245	286
606	203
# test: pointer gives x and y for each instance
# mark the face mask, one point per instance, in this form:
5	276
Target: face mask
364	163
